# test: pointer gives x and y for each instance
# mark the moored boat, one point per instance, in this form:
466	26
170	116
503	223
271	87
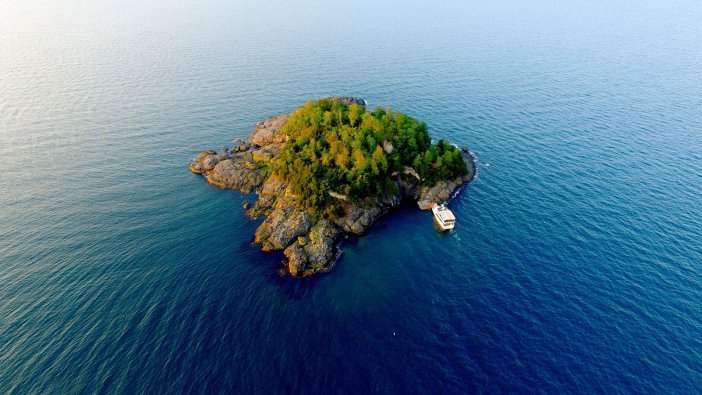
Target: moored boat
444	217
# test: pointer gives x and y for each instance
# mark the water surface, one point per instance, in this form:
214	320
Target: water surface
575	266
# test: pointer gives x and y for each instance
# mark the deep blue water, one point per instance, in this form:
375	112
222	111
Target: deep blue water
576	266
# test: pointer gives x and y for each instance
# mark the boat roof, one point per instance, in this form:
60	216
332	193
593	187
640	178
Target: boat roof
445	214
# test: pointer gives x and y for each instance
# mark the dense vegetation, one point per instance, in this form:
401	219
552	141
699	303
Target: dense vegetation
346	149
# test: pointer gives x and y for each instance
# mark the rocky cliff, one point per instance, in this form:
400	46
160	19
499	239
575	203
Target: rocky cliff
309	243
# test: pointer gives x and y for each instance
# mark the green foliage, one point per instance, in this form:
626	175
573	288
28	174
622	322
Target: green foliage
340	148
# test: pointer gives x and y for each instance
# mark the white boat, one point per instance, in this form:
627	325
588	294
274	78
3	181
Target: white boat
444	217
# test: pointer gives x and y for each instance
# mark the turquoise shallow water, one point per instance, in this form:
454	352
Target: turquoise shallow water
575	267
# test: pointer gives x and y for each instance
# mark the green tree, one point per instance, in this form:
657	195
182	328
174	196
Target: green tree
332	146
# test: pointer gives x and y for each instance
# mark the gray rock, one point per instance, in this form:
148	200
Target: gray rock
409	188
315	251
267	154
268	195
440	193
297	259
338	196
234	173
410	171
205	162
347	100
387	146
239	146
281	227
320	246
390	201
270	131
358	219
209	162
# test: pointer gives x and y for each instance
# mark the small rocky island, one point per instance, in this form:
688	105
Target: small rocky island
332	168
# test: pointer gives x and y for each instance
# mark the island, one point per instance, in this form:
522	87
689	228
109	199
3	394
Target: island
331	168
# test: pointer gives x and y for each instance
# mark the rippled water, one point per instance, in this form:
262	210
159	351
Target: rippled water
575	267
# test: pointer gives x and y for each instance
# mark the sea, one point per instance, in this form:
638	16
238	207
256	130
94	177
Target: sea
576	262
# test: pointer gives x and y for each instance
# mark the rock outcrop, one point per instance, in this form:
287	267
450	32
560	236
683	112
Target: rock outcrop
439	193
232	170
309	244
281	227
269	131
348	100
358	218
313	252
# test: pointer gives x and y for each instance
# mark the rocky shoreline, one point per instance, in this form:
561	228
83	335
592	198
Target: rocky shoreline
309	243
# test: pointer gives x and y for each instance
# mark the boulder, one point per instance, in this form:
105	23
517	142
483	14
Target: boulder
267	154
347	100
297	259
268	195
274	185
234	173
270	131
315	251
387	146
281	227
205	162
338	196
239	146
320	243
209	162
358	218
440	193
410	171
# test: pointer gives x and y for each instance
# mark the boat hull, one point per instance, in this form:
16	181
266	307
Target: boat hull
442	228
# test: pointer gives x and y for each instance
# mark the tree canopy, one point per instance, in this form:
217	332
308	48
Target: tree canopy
334	147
